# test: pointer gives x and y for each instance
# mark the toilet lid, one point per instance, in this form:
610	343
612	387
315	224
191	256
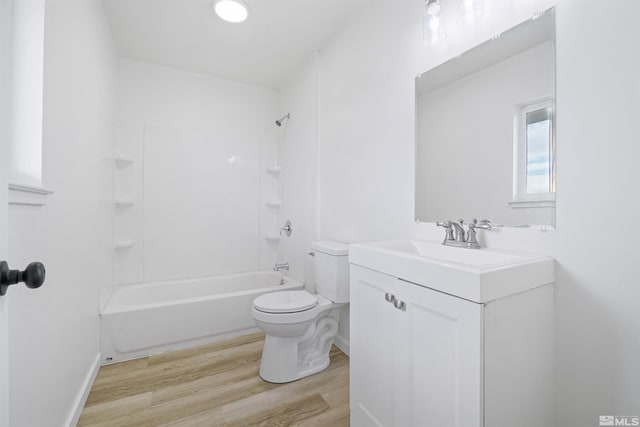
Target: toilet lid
285	302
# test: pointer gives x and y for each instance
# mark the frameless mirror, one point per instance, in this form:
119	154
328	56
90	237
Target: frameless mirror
485	131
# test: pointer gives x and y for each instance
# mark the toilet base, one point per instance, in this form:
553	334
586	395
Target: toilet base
286	359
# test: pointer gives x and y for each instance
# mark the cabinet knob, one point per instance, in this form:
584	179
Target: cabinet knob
400	305
389	297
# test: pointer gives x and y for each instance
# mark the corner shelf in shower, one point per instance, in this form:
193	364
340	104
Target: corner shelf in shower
272	237
123	160
123	244
274	203
123	202
274	170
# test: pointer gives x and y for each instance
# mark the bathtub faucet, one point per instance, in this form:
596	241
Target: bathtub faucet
279	267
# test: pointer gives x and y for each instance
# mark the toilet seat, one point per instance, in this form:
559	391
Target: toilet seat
285	302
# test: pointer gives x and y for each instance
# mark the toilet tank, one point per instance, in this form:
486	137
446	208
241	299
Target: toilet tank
331	270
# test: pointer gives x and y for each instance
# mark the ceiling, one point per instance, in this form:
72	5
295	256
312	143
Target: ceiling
278	35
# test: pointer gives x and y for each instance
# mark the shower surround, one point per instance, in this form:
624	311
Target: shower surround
193	193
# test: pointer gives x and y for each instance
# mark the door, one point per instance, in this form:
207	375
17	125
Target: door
5	25
439	377
372	347
4	301
5	37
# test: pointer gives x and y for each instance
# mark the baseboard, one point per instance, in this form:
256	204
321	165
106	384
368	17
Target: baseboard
83	394
342	344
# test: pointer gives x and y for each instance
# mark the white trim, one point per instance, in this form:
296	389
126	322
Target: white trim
519	204
534	200
31	195
81	399
342	344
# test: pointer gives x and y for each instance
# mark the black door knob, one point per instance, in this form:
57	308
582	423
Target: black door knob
33	276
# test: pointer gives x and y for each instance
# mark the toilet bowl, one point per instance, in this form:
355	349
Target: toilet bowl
300	326
297	342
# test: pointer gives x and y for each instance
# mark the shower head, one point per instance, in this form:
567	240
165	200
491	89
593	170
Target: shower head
286	116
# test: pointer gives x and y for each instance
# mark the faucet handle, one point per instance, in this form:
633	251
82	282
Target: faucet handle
448	226
288	229
484	224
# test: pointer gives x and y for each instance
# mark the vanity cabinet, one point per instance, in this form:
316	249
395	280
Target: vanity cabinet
421	357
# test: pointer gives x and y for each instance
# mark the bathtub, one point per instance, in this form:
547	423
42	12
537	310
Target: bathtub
150	318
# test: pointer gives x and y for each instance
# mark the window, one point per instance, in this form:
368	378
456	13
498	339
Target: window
25	63
27	59
534	171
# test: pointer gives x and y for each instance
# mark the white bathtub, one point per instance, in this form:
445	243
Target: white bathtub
150	318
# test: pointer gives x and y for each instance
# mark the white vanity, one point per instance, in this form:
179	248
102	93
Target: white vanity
446	337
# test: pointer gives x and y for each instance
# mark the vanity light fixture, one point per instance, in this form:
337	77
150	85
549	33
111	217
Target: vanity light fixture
433	7
470	10
231	10
437	12
432	25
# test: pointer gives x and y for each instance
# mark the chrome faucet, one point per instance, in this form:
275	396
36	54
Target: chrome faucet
456	236
278	267
458	231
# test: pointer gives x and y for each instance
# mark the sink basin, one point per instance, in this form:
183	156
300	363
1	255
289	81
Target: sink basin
483	258
479	275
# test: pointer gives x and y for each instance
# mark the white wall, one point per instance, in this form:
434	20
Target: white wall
201	146
53	332
598	319
465	141
366	128
366	172
297	147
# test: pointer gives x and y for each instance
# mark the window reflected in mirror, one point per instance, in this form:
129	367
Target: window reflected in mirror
534	179
539	159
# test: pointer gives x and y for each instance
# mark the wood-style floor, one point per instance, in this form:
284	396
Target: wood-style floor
215	385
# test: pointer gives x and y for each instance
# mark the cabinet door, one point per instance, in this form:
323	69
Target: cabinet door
371	348
439	379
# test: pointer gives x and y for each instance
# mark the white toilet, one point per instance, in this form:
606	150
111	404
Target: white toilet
300	326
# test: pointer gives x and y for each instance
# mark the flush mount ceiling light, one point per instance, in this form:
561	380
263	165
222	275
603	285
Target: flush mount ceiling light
231	10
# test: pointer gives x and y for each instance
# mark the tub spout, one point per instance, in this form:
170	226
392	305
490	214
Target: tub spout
279	267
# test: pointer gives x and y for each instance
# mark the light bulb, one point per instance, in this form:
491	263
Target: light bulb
433	28
433	7
231	10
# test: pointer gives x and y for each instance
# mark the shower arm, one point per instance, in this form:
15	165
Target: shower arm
282	119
